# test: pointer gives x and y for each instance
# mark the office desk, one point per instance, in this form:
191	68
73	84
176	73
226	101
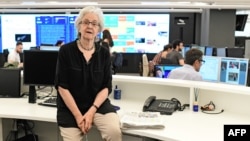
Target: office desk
181	126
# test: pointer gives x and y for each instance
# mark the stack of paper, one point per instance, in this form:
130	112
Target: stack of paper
142	120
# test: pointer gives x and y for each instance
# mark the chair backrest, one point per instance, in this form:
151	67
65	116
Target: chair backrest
6	53
145	67
2	60
118	60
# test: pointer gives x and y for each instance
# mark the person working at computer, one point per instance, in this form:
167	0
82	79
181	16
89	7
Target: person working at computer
14	56
175	57
84	82
190	70
157	58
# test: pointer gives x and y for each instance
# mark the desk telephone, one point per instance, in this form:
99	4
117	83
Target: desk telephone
165	107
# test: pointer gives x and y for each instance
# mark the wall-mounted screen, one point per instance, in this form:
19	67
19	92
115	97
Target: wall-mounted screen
210	70
138	33
132	33
234	70
35	29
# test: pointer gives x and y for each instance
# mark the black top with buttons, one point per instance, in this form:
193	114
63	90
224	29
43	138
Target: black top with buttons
83	79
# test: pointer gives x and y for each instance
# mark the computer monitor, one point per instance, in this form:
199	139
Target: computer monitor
221	52
185	49
201	48
39	69
235	52
210	70
162	70
10	82
55	48
234	70
209	51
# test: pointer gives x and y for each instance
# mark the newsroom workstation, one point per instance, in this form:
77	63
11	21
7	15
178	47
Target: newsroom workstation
221	86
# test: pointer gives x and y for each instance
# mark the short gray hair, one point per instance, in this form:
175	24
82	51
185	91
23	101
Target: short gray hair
86	10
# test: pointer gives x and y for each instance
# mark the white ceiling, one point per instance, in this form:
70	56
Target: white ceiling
212	4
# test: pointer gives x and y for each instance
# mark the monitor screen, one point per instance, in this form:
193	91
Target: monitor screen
210	70
221	52
235	52
162	71
39	67
138	33
201	48
234	70
184	50
208	51
132	33
36	29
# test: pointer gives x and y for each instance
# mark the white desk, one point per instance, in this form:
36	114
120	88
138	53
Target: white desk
181	126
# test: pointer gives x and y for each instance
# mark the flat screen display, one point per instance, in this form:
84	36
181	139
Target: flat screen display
221	52
162	71
36	29
234	70
210	70
209	51
201	48
138	33
184	50
235	52
132	33
39	67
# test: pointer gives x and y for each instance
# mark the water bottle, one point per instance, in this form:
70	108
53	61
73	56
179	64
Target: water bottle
117	93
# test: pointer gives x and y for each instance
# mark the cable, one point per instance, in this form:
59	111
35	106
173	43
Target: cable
209	108
210	112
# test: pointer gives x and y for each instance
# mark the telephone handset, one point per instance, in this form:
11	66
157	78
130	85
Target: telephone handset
163	106
148	102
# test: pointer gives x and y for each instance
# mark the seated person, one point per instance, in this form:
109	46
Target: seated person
159	73
14	56
190	70
175	57
158	57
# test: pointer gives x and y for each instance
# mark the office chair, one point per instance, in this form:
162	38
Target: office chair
6	53
145	68
2	60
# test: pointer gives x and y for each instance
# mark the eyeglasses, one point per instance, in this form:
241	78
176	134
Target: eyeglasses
202	61
86	22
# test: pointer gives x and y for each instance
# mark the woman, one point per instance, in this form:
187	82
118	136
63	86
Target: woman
106	37
157	59
84	81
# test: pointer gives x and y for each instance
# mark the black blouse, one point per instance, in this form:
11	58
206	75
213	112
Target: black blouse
83	79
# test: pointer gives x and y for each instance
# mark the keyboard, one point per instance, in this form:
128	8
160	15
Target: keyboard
49	102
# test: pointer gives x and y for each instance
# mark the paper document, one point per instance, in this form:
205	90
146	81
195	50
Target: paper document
142	120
